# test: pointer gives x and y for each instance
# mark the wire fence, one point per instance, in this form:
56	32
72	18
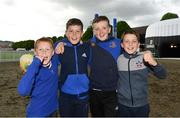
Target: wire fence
12	56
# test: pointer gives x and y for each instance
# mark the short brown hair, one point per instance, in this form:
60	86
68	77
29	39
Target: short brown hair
130	32
101	18
43	39
74	21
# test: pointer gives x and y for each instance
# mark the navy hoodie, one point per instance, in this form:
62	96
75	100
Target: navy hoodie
74	61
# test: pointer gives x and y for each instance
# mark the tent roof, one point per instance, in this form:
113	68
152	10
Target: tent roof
169	27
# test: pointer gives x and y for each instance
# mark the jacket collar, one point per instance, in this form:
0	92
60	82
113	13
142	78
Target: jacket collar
129	56
96	40
69	44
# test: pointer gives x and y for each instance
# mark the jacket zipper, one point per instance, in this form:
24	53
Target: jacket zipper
76	60
132	101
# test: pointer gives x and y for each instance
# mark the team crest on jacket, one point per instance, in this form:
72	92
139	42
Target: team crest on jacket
112	44
139	64
93	44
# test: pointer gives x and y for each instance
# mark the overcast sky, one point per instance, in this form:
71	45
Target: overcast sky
32	19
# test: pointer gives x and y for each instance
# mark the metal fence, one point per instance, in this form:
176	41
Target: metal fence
12	56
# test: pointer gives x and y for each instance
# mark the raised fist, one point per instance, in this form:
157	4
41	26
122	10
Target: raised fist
148	57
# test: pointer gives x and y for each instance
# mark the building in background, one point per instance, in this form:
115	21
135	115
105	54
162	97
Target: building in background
142	32
163	38
5	45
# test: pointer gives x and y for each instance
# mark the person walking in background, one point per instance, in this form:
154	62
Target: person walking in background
134	68
40	82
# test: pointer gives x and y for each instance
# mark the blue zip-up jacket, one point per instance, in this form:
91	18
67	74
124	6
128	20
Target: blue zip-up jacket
41	84
104	73
73	75
133	79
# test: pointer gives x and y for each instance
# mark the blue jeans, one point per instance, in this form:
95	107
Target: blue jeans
124	111
73	105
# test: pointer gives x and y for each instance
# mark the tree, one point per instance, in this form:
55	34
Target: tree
87	34
29	44
55	39
121	27
60	37
169	16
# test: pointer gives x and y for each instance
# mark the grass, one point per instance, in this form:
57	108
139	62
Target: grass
11	55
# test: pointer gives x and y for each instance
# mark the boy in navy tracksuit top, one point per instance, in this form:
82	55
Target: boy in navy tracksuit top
74	82
134	68
40	82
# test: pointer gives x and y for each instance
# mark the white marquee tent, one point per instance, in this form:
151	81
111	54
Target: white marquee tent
163	38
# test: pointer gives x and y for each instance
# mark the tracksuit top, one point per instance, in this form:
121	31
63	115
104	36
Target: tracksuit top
104	73
41	84
73	75
133	79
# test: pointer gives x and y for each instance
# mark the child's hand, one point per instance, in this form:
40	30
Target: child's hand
40	58
148	57
59	48
21	68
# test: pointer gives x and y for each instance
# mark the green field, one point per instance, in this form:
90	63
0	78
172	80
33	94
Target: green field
11	55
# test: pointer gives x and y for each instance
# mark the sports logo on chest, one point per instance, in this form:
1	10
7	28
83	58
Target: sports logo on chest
112	44
139	64
84	55
93	44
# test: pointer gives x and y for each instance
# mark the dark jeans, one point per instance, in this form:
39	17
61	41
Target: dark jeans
74	105
103	103
125	111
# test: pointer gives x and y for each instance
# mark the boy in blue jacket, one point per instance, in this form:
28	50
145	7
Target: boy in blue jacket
40	82
134	68
74	82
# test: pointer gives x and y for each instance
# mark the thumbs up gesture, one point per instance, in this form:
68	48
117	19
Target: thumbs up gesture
148	57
